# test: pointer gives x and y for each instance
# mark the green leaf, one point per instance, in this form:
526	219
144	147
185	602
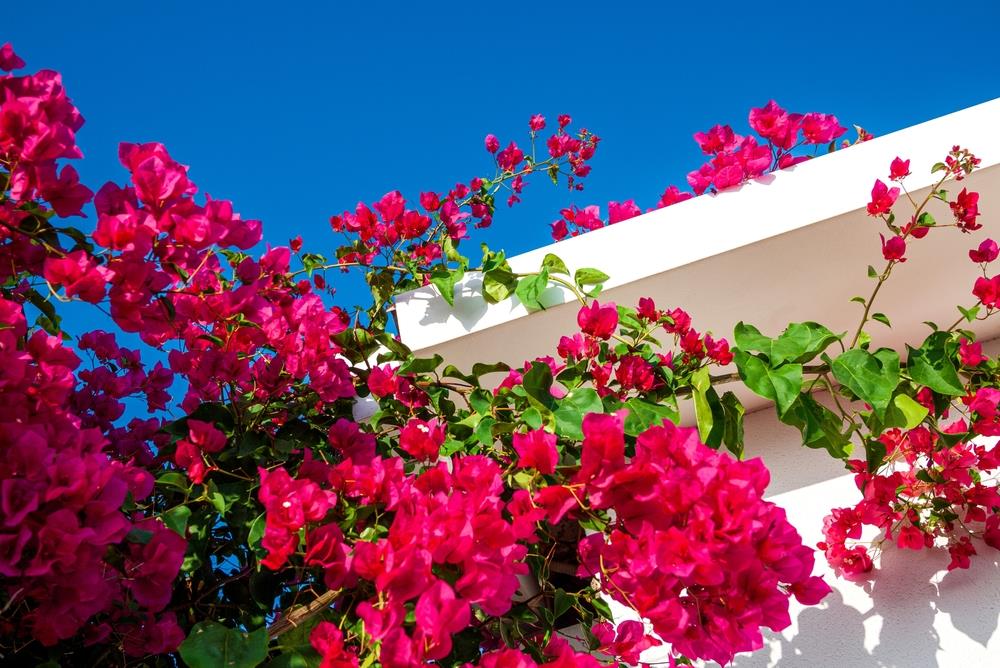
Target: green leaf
882	318
750	339
874	454
530	289
700	386
484	430
571	409
800	342
177	518
589	276
445	282
533	418
174	479
451	371
871	272
256	534
820	427
139	536
913	413
561	603
481	400
969	313
498	284
421	364
643	414
451	446
481	369
930	365
780	385
212	645
538	383
872	378
732	435
305	657
554	265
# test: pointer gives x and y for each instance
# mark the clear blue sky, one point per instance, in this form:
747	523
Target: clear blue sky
298	113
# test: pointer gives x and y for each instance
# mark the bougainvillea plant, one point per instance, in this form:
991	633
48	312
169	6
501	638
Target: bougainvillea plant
232	470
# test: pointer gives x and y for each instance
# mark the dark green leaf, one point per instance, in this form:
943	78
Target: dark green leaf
930	365
421	364
874	454
174	479
561	603
481	401
212	645
177	518
538	383
481	369
732	435
820	427
643	414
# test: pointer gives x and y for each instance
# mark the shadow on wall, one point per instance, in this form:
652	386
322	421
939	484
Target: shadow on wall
902	628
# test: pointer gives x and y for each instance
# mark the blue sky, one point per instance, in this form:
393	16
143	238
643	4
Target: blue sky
296	112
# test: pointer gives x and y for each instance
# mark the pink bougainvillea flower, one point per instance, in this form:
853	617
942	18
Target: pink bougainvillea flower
701	178
510	157
775	124
536	123
9	60
618	212
422	438
987	252
820	128
439	614
536	449
960	551
894	248
559	230
597	320
987	290
718	139
672	195
626	643
899	169
79	274
882	200
971	353
965	208
492	143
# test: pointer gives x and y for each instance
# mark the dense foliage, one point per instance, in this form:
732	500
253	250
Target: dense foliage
319	496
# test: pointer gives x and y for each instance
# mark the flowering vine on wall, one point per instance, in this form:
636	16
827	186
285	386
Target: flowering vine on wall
246	514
